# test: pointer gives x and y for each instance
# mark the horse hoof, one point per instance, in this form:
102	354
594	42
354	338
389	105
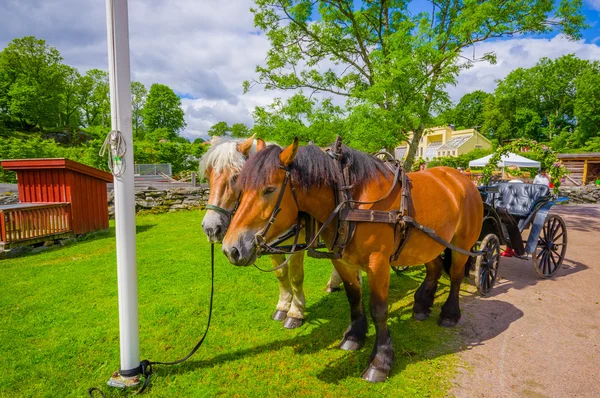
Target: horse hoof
447	322
350	345
279	315
421	316
292	323
374	375
333	289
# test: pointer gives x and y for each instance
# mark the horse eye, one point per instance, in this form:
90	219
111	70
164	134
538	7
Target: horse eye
233	179
269	190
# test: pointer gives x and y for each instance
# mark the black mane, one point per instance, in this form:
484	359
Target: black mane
311	168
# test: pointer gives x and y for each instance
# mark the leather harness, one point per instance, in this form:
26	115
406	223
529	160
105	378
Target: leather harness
346	215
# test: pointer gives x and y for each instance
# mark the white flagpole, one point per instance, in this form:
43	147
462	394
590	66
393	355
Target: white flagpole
122	157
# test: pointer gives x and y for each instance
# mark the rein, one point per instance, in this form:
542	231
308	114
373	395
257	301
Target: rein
145	368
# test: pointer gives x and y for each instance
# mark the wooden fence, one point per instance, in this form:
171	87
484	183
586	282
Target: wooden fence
30	221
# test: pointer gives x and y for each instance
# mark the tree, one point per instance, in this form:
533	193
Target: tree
300	117
138	100
31	82
389	64
587	107
163	110
69	105
93	93
239	130
219	129
536	103
468	113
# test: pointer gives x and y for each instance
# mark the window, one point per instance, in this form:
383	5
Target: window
421	152
478	147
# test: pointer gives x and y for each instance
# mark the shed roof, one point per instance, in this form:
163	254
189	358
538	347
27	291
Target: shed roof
455	142
582	156
55	163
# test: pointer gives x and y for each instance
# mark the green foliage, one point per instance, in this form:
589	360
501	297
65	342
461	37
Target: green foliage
163	110
461	160
94	98
138	100
32	77
536	103
218	130
587	106
34	147
468	113
300	117
69	330
239	130
391	65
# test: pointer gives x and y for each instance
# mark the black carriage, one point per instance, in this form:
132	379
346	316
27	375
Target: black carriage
510	209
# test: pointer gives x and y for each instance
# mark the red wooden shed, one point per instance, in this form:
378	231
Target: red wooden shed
73	196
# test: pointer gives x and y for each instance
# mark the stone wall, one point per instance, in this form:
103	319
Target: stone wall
161	201
9	198
586	194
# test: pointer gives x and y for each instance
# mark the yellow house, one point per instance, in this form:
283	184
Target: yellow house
444	141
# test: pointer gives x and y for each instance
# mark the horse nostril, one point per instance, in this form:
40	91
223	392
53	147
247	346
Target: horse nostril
234	254
218	230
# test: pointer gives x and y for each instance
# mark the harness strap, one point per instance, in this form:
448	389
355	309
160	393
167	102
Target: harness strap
226	213
431	233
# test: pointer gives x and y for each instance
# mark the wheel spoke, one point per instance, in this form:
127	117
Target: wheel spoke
554	262
540	253
559	236
545	262
555	225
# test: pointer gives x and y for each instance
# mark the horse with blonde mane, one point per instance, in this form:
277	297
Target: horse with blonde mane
221	165
277	184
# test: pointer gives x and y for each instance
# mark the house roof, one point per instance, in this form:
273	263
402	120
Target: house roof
55	163
455	142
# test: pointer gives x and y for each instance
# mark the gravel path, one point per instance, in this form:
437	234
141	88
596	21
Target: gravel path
535	337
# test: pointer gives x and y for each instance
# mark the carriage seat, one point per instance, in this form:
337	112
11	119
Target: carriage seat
518	199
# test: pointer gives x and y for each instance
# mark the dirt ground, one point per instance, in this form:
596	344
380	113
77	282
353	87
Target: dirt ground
533	337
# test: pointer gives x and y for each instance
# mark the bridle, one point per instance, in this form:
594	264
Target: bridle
227	213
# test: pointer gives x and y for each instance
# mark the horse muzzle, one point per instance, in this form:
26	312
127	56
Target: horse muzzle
241	254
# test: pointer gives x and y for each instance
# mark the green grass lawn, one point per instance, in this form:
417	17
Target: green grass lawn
59	324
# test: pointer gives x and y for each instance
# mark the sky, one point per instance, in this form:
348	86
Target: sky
205	50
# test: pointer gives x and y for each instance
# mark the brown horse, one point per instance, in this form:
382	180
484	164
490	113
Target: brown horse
221	165
442	199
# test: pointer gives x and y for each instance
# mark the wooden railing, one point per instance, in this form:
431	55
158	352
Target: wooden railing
22	223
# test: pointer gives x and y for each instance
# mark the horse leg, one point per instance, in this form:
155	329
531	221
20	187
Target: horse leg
355	335
426	292
285	290
295	315
334	282
451	309
382	357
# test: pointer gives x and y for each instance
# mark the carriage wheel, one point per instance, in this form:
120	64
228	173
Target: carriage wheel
551	248
486	265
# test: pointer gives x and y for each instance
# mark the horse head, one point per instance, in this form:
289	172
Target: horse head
267	206
221	166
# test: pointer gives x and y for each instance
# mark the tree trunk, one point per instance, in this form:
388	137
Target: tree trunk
412	148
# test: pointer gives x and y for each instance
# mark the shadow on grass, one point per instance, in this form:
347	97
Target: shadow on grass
327	328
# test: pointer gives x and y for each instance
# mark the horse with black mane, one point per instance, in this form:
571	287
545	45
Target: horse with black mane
221	165
442	199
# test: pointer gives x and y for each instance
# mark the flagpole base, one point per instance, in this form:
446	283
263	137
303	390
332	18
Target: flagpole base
119	381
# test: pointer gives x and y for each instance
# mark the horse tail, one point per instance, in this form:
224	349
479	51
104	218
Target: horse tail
447	260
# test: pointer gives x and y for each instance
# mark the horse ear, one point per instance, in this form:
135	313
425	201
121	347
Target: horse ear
288	154
260	145
245	146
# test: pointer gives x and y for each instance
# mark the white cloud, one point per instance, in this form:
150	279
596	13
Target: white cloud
516	53
595	4
205	50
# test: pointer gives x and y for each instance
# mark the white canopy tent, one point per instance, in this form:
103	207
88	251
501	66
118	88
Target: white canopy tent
509	159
